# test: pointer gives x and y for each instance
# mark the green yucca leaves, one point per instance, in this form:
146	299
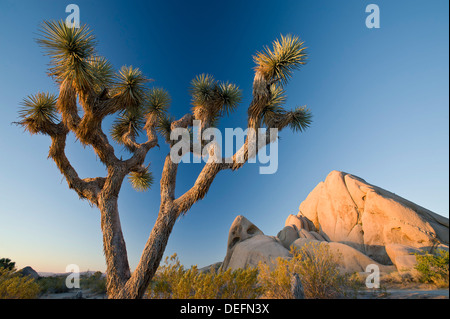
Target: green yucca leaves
157	101
300	119
297	120
39	110
212	99
142	180
129	87
70	50
132	122
103	71
275	105
274	114
278	63
164	126
202	88
274	108
230	95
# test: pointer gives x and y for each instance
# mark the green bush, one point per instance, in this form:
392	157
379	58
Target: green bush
172	281
434	268
15	286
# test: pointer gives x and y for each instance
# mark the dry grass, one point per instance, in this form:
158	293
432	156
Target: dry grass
173	281
318	271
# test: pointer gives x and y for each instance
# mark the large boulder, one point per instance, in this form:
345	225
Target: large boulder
352	260
300	222
402	256
241	229
405	262
317	236
259	248
359	223
348	259
287	235
306	234
301	242
347	209
294	221
215	267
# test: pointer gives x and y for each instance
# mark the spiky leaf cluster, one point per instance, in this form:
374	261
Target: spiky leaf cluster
278	63
129	87
230	95
213	99
71	50
141	180
38	112
275	105
298	119
153	110
274	115
164	126
127	123
157	101
104	72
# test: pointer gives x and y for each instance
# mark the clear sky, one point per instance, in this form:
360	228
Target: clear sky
379	97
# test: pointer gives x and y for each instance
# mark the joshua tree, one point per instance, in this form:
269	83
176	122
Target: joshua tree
89	90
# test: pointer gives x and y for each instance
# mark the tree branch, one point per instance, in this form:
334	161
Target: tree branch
184	122
87	188
261	96
140	150
169	174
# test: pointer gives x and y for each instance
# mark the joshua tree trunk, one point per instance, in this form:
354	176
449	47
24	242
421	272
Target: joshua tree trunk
117	268
151	256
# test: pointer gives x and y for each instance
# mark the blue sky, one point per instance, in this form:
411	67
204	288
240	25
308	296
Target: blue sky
379	97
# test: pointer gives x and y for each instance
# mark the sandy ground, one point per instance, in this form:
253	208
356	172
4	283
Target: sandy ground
405	294
85	294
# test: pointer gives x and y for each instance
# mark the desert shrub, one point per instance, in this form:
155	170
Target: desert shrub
316	266
52	284
318	271
434	268
236	284
276	282
173	281
95	282
15	286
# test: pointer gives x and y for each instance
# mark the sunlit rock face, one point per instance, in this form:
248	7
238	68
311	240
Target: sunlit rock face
359	223
347	209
